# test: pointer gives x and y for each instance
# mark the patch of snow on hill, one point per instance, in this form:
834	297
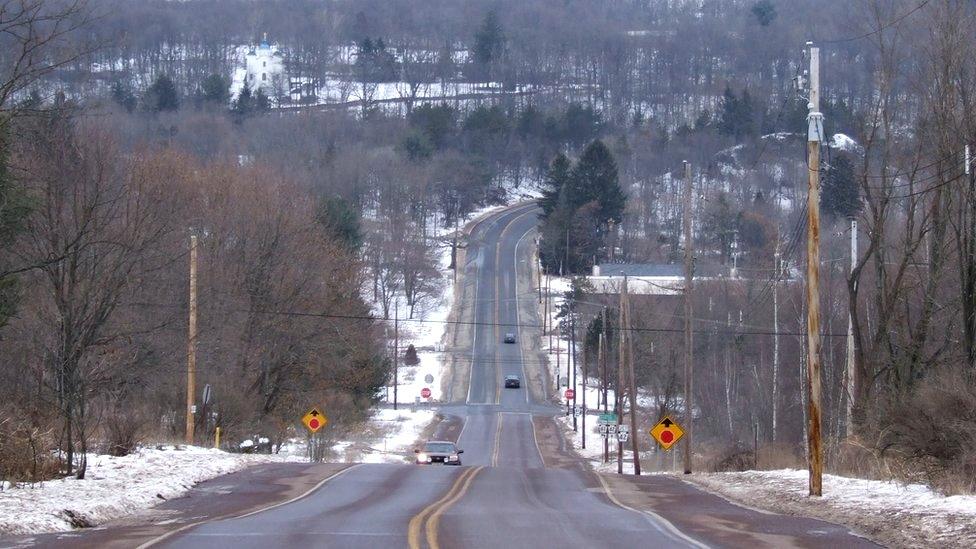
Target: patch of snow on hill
844	142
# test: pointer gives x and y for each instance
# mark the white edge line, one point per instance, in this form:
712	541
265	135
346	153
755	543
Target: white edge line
671	528
474	336
186	527
518	317
535	439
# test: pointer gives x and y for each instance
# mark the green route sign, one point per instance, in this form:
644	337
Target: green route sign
608	418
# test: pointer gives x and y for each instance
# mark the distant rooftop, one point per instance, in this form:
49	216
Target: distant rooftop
656	270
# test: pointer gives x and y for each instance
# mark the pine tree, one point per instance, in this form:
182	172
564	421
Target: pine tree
556	178
765	12
244	103
122	94
215	89
489	43
595	178
162	95
840	197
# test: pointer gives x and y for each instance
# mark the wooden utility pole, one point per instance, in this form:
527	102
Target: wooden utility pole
633	384
814	135
618	399
849	374
603	350
689	349
583	412
191	352
776	275
573	359
396	351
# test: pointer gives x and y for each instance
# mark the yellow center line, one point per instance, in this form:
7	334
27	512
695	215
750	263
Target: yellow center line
413	530
498	272
498	436
435	519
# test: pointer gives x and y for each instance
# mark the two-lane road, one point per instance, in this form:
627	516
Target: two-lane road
505	495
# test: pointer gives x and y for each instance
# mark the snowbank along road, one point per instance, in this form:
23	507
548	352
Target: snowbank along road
512	492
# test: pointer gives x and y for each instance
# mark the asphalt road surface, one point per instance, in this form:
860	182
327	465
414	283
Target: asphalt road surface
504	496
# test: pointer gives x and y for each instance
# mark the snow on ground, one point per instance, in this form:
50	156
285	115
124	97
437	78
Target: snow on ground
116	486
402	429
899	515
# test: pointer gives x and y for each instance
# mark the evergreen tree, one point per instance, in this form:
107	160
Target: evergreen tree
556	178
262	103
595	179
339	217
489	43
581	124
162	95
215	89
244	104
122	94
840	197
736	115
764	11
438	122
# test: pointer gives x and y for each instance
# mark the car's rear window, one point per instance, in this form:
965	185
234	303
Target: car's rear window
439	447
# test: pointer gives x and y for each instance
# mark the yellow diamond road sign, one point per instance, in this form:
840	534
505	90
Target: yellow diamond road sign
314	420
667	433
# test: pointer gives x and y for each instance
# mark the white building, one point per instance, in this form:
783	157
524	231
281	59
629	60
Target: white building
266	70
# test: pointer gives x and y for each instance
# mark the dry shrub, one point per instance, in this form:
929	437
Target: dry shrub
731	458
26	451
779	455
123	432
932	430
851	458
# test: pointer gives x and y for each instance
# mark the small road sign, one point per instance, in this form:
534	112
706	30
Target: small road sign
577	410
314	420
570	394
623	428
603	429
425	392
612	429
608	418
429	378
207	393
623	437
667	433
564	381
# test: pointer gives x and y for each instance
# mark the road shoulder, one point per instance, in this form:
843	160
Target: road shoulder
233	494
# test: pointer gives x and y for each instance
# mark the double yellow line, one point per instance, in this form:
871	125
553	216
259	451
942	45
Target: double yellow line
428	519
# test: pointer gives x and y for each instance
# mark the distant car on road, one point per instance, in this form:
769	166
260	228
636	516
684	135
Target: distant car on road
438	451
512	382
509	337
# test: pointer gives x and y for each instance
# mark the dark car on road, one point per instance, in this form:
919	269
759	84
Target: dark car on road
512	382
510	338
438	451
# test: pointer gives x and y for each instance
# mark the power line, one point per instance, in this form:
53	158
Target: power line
366	318
880	29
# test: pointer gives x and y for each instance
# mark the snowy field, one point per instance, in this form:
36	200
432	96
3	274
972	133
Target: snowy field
899	515
115	487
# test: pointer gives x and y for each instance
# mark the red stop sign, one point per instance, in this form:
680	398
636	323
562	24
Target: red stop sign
570	394
667	437
313	424
425	392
